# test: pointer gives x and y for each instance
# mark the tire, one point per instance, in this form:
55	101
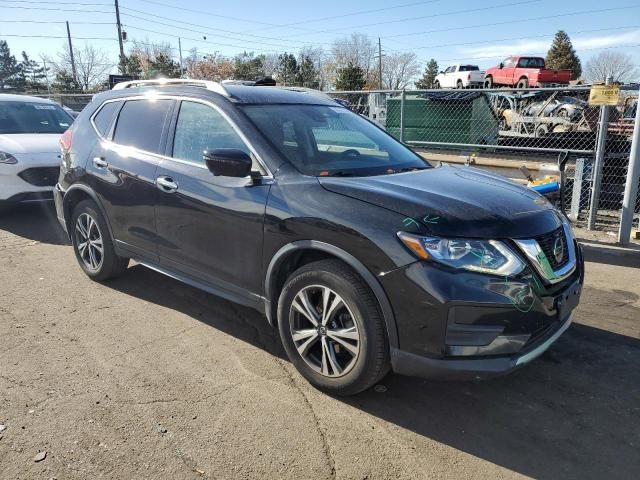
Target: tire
542	131
563	113
436	85
488	82
523	83
459	85
99	266
328	364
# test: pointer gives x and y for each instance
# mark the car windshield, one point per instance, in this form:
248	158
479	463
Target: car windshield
324	140
32	117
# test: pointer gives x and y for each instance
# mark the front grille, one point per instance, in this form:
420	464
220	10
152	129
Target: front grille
548	243
40	176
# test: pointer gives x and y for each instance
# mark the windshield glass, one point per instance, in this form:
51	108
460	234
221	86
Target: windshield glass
31	117
323	140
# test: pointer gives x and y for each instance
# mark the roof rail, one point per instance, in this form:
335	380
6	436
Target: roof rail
209	85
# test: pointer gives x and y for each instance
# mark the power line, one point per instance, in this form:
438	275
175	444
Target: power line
57	3
409	19
203	32
361	12
58	37
56	22
242	34
56	9
634	45
507	22
546	35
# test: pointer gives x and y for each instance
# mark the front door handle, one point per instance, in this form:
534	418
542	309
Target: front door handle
100	162
166	184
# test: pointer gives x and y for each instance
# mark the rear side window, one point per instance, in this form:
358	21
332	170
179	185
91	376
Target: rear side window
140	124
201	128
104	118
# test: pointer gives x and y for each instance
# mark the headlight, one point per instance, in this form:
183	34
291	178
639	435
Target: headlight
7	158
487	256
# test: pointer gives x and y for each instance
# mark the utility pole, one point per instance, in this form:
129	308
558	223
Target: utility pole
119	33
46	74
73	62
379	64
180	51
631	187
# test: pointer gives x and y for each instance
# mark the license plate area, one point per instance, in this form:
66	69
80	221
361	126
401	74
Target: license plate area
568	300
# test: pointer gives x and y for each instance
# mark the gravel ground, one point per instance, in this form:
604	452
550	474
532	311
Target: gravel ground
145	377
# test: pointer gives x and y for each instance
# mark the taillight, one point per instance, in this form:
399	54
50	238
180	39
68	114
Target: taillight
469	77
65	140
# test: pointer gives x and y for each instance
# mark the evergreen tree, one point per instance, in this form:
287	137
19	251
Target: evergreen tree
164	66
248	67
429	75
65	82
9	67
307	73
562	56
287	69
31	73
130	65
351	77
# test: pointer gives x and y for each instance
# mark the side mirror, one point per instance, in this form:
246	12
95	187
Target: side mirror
501	65
228	162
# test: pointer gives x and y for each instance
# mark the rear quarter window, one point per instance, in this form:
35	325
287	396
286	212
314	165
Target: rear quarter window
104	118
140	124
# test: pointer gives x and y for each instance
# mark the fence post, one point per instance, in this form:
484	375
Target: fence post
402	95
601	144
631	187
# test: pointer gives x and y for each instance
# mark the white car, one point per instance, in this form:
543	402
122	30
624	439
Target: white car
30	129
460	76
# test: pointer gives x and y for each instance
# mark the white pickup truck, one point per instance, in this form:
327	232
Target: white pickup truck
460	76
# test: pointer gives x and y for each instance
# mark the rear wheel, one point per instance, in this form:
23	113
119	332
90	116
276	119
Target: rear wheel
459	84
436	84
331	328
523	83
93	245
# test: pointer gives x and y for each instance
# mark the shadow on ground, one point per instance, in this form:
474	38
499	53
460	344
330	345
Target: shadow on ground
36	222
573	413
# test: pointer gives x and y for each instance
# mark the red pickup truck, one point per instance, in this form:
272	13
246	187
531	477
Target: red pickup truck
525	72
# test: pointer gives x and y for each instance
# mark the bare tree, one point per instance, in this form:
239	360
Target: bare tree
271	63
399	69
317	57
92	65
358	50
211	67
149	53
617	65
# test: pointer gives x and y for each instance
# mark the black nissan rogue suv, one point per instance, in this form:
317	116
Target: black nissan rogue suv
363	255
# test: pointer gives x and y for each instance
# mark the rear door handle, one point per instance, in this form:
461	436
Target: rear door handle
100	162
166	184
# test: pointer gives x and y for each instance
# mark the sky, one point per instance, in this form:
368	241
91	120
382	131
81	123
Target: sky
475	32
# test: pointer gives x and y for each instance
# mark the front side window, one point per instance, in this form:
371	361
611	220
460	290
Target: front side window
324	140
140	124
32	117
509	63
201	128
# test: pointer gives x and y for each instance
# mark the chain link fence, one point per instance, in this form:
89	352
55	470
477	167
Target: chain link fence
530	135
74	101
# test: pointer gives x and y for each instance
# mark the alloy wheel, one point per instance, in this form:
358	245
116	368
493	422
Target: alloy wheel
324	331
89	241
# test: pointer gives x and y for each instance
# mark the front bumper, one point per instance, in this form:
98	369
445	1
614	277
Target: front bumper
457	324
405	363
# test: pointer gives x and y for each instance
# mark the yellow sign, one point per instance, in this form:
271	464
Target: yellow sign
604	95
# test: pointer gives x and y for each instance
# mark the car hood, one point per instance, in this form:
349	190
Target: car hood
454	201
20	143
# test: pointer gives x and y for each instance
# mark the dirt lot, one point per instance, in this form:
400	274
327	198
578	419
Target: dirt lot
147	378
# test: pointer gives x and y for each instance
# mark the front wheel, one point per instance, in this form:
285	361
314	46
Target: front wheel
92	243
459	85
331	328
436	85
488	82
